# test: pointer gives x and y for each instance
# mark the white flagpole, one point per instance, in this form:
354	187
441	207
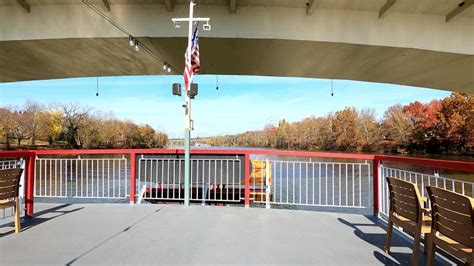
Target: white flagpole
187	126
187	121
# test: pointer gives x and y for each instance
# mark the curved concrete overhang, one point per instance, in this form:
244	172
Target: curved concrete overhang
408	46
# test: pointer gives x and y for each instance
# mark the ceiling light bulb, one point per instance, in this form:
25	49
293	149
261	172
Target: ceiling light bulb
130	40
169	69
137	47
165	66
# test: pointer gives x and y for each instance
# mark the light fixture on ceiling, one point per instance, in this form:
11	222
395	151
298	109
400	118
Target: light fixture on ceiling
207	26
137	46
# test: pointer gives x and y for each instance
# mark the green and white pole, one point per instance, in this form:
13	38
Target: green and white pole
188	126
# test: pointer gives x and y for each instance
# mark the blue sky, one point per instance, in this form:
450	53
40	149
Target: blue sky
241	103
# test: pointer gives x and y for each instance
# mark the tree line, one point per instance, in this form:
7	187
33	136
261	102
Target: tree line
72	126
439	127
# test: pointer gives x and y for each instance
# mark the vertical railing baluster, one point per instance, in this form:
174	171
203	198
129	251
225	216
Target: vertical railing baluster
168	179
103	178
274	180
300	184
360	186
293	183
319	184
97	173
287	182
347	188
333	184
108	178
314	179
306	183
267	181
215	179
158	162
281	182
233	178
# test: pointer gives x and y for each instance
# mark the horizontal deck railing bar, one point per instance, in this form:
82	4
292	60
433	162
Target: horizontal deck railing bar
319	205
203	151
436	163
333	155
16	154
290	161
445	164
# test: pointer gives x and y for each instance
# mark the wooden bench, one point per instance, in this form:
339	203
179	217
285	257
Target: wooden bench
9	189
407	212
453	222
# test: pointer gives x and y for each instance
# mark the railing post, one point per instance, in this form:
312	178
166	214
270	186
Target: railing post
30	184
267	184
376	181
247	180
133	177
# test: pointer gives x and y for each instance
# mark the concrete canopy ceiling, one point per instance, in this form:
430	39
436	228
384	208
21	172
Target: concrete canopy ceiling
429	7
412	44
65	58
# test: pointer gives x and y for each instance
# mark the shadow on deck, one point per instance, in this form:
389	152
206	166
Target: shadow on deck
163	234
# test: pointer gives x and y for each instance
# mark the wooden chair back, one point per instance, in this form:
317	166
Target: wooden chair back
405	199
453	215
9	183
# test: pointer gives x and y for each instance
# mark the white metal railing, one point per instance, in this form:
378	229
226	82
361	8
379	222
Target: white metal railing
303	183
7	213
215	180
8	164
104	178
422	181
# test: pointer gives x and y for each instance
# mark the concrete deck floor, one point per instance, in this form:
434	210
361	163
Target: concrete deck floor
173	234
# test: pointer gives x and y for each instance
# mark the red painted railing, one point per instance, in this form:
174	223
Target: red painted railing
30	156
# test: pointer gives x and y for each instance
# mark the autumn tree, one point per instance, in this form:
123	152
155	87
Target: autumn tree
424	121
19	125
50	124
456	118
325	136
368	131
73	121
396	127
110	133
32	112
344	127
7	128
282	134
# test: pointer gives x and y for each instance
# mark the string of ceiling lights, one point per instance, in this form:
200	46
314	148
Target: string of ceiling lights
134	42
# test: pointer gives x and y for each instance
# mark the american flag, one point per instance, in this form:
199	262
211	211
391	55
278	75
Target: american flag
192	65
